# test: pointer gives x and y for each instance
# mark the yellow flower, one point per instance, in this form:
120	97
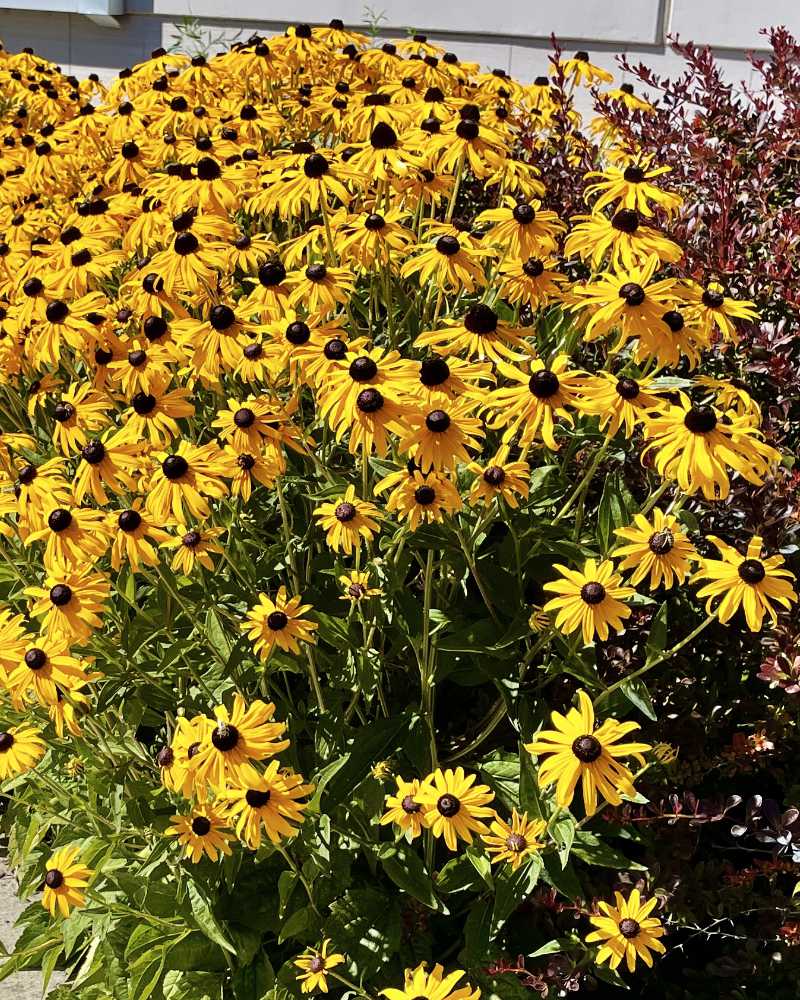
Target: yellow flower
658	548
576	751
269	801
202	831
279	623
64	880
347	521
404	809
434	985
315	964
454	805
589	600
627	931
20	749
516	841
357	586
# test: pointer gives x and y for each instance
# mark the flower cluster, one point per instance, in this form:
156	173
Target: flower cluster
261	351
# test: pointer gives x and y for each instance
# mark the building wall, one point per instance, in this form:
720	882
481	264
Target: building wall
509	34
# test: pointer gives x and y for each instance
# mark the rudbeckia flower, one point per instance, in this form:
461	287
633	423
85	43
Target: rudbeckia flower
438	438
278	623
516	841
346	521
448	265
434	985
133	533
73	537
64	881
522	229
70	603
268	802
79	411
404	810
315	964
202	831
622	238
750	582
576	751
581	70
499	477
589	600
480	334
657	548
185	480
714	309
454	805
193	546
618	402
630	186
420	499
20	749
627	931
356	586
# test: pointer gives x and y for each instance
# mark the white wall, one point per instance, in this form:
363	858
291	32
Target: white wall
510	34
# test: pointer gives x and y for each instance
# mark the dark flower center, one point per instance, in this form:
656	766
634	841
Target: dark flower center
298	333
225	736
256	798
102	357
480	319
252	351
191	539
752	571
700	420
409	806
383	136
277	620
56	311
272	273
244	418
317	964
468	130
524	213
634	175
369	401
137	358
515	842
208	169
94	452
544	383
628	388
661	542
335	350
587	748
315	166
193	750
533	268
27	474
33	287
434	371
629	928
174	466
59	520
448	245
626	220
60	595
316	272
129	520
374	222
356	590
200	826
165	757
437	421
713	299
143	403
129	150
593	593
185	244
448	805
674	320
154	327
632	293
54	879
6	742
246	462
424	495
80	258
35	658
345	512
494	475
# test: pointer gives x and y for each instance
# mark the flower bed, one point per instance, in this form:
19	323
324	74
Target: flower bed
390	571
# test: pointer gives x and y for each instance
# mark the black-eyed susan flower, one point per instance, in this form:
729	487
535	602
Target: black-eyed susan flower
449	265
44	667
73	537
696	445
134	532
630	186
314	965
498	476
522	229
714	309
185	480
454	805
480	335
590	600
750	582
108	461
347	521
21	747
153	416
581	70
178	762
655	548
420	499
576	751
80	410
529	405
193	546
279	623
237	739
357	587
623	239
516	841
268	802
627	931
202	831
404	809
618	402
439	438
70	603
249	468
533	281
433	985
64	881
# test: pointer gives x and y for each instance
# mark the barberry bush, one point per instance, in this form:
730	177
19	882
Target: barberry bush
393	549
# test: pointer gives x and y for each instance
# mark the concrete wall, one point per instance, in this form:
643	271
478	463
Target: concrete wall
510	34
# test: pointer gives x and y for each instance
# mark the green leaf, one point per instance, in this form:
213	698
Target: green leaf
512	888
366	926
216	634
589	848
295	925
612	512
502	774
405	868
635	690
657	640
564	834
205	919
561	878
477	931
146	972
530	796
